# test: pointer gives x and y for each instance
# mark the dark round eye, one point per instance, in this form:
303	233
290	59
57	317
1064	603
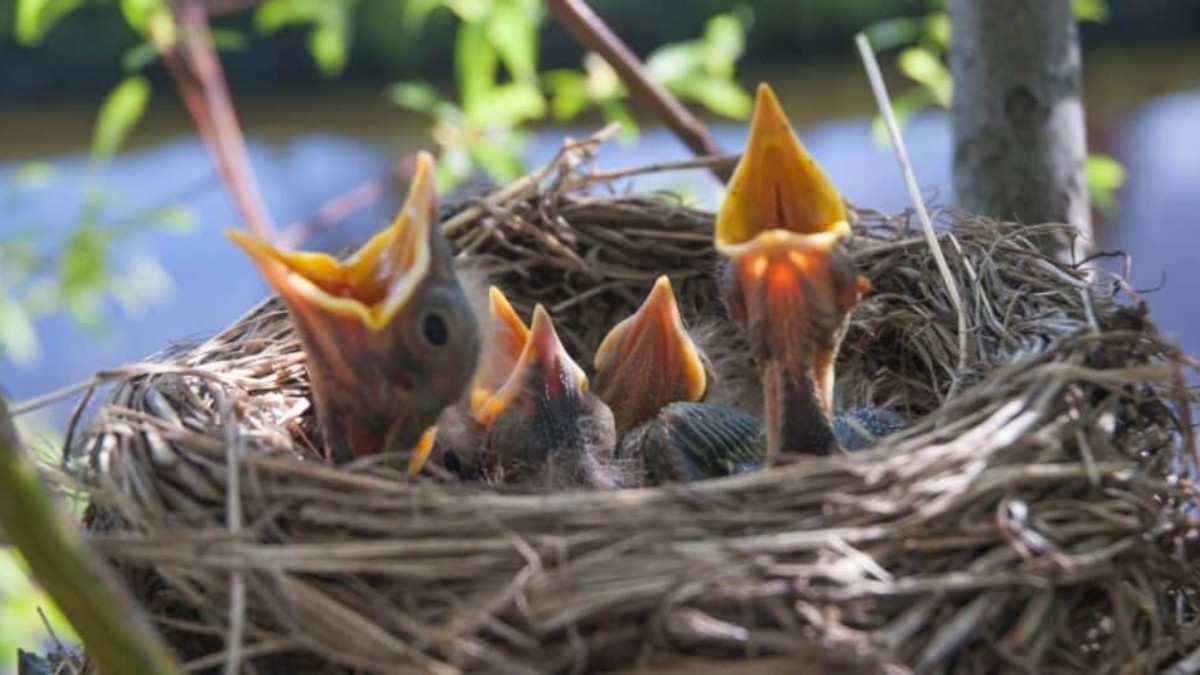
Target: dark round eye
435	330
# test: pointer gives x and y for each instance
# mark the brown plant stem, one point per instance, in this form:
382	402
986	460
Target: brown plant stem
116	636
591	31
192	61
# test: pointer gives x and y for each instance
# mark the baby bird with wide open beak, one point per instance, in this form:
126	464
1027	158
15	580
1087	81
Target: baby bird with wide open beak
388	333
652	374
543	426
789	283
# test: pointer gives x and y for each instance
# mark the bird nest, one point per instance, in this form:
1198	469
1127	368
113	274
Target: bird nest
1037	515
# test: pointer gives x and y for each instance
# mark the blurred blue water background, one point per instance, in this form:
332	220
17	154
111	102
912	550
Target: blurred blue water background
309	147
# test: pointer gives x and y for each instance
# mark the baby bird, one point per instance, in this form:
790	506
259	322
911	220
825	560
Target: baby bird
788	282
653	376
543	426
389	337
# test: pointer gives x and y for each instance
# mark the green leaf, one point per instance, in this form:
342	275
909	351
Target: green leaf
475	68
602	81
84	262
568	90
35	18
139	56
18	339
423	98
937	30
469	11
138	12
724	42
330	45
724	97
32	175
893	33
512	31
119	114
227	40
1105	175
616	111
415	13
1091	10
923	66
176	219
510	104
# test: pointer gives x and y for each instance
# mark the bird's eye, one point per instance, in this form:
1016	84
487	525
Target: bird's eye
434	329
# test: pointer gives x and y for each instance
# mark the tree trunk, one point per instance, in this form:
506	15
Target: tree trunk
1019	142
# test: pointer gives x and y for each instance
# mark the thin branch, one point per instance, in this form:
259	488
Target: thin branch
192	61
114	632
591	31
914	191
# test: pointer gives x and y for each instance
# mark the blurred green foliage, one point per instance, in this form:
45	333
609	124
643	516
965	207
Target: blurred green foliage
500	90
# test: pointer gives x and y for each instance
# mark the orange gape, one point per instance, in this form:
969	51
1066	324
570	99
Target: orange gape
789	281
388	334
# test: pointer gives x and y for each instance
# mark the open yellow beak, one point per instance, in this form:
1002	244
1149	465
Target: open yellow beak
777	184
544	362
648	360
504	340
376	281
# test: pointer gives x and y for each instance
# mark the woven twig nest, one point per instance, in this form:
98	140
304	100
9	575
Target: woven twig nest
1036	516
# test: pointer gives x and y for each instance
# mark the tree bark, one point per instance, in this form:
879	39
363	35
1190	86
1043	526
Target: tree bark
1019	138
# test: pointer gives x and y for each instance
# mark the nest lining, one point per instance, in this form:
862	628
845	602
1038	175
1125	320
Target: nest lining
1036	520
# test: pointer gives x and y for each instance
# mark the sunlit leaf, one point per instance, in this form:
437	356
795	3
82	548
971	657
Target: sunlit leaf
417	96
937	30
469	11
329	40
227	40
415	13
1091	10
84	263
139	56
724	97
602	81
724	42
569	93
138	12
35	18
1105	175
510	104
176	219
475	67
32	175
512	31
499	162
330	44
119	114
892	33
920	64
672	62
18	339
